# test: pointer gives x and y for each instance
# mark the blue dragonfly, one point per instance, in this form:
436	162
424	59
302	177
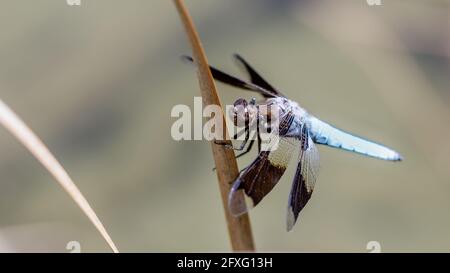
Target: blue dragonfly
297	128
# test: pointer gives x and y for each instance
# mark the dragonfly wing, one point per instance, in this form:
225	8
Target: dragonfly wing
304	179
261	176
233	81
324	133
255	77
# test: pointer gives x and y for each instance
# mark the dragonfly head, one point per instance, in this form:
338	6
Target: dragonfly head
243	113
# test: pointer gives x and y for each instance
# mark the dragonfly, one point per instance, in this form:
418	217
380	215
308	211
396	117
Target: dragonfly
298	129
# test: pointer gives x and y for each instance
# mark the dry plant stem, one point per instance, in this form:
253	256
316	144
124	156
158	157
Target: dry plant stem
24	134
238	227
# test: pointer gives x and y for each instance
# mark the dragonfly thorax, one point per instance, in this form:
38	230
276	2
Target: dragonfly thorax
285	105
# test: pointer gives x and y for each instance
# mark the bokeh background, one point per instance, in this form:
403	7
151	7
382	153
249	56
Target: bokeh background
97	84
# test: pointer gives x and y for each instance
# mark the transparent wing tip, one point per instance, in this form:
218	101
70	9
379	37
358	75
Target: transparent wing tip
238	202
290	219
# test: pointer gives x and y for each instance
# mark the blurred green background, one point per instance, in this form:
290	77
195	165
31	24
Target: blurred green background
97	84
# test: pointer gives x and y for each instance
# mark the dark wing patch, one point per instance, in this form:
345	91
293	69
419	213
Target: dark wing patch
233	81
304	179
256	181
298	198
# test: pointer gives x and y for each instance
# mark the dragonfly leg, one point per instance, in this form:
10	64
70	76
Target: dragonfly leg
247	137
224	143
246	140
230	146
249	148
242	146
251	142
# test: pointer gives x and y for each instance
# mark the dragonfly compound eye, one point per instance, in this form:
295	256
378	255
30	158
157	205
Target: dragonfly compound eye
239	113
